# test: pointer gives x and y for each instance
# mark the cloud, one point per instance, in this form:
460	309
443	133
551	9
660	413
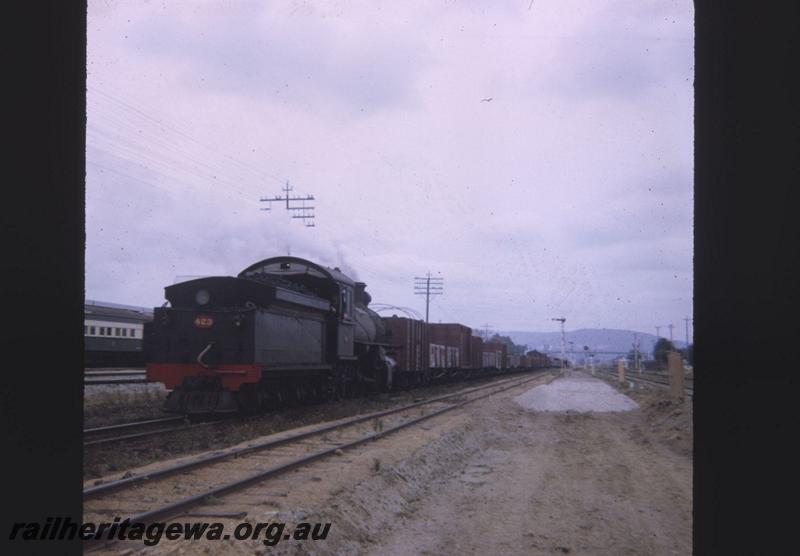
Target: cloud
569	193
299	60
626	49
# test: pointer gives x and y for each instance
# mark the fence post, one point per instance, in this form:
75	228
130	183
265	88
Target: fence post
621	371
675	366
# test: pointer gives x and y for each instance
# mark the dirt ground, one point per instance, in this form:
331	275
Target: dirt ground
491	477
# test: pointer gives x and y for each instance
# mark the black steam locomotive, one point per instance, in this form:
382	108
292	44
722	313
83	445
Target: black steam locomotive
285	330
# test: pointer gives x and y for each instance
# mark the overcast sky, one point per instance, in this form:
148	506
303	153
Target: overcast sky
537	155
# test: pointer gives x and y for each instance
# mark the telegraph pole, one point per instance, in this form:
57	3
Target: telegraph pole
687	331
486	331
428	286
302	212
658	332
562	320
670	326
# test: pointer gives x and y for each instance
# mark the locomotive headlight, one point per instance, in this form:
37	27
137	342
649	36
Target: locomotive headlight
202	297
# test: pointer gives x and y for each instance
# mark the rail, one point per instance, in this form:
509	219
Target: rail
97	501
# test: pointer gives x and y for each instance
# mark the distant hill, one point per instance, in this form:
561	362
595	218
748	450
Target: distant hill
598	339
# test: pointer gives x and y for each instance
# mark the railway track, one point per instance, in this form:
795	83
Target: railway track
114	376
658	381
125	432
111	371
129	431
141	498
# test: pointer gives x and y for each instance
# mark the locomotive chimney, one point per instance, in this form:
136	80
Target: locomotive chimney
362	297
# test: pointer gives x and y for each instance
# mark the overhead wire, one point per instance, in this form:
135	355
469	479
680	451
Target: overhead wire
124	131
136	155
130	176
145	148
148	139
185	134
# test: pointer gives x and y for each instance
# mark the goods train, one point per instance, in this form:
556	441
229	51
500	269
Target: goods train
287	331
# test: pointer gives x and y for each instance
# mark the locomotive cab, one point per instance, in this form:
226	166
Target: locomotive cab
327	283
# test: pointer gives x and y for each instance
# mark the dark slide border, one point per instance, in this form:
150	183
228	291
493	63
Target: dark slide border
747	159
747	133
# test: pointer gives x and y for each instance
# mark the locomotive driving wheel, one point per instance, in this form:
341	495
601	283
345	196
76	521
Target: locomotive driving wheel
329	387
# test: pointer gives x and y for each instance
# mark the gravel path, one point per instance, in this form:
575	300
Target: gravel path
577	392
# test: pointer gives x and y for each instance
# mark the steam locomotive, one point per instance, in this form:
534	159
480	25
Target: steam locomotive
288	331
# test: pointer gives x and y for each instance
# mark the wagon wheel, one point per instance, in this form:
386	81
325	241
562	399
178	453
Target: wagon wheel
329	389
